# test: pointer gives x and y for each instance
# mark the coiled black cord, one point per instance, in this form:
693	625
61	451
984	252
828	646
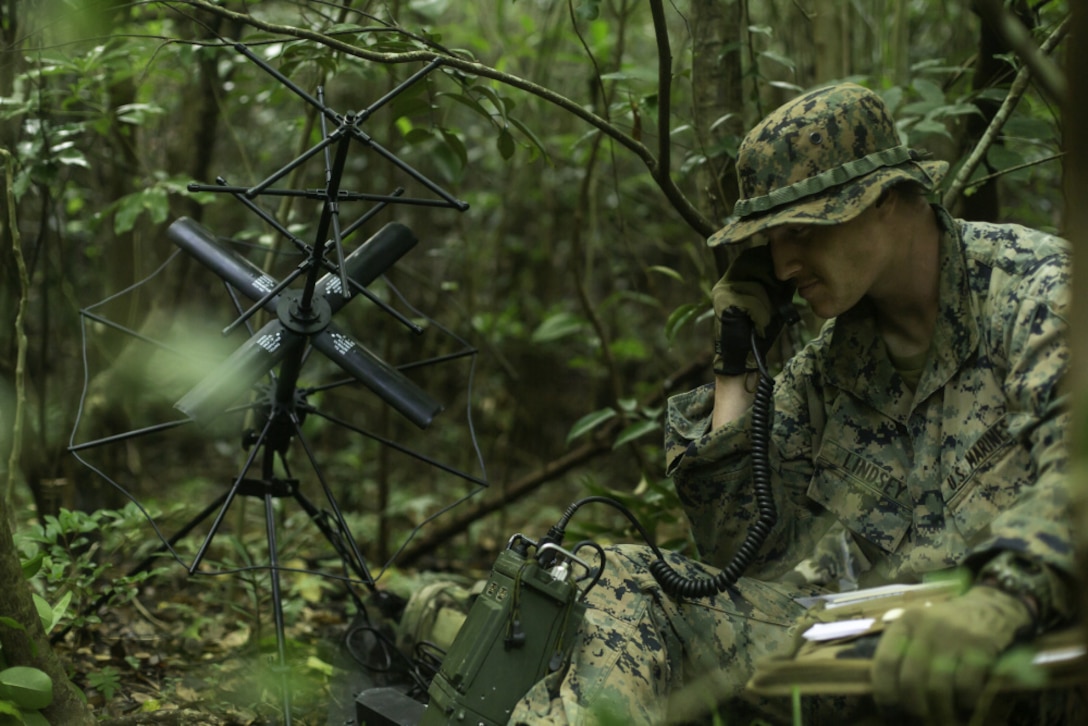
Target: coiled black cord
558	531
671	581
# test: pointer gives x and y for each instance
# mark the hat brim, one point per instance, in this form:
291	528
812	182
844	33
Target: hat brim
832	206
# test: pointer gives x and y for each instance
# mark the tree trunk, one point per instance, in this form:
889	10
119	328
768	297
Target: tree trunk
717	90
983	204
831	40
27	645
30	647
1076	229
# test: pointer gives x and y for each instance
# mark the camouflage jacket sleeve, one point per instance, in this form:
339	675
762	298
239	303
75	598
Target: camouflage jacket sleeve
1028	334
713	476
972	463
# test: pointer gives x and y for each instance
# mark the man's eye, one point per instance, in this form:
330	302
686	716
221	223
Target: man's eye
794	234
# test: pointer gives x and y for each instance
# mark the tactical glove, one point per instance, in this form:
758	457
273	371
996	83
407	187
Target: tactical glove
933	661
747	298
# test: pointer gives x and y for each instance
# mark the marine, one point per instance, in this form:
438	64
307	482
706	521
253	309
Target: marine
922	431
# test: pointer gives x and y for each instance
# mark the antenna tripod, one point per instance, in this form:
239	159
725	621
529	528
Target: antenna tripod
283	421
301	321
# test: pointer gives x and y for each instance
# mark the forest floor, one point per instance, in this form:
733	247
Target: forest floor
176	648
186	653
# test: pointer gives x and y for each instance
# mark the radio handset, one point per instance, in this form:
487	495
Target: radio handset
671	581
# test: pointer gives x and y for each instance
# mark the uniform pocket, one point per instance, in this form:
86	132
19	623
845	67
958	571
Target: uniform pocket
987	479
863	494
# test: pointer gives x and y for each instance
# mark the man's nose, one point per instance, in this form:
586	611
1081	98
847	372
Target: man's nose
787	264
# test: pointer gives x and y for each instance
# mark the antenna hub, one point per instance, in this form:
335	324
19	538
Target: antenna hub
303	319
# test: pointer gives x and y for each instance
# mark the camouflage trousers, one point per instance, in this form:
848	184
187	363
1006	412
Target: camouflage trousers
647	658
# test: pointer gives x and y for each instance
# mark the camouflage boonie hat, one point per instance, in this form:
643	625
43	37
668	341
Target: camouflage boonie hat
821	158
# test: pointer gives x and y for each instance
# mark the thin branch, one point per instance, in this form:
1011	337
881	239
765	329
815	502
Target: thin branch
1016	167
664	88
661	172
455	525
596	446
580	255
1016	91
605	101
683	206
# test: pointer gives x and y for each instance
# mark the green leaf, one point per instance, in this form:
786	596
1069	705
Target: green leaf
455	145
33	718
341	28
931	127
450	165
928	90
128	209
780	59
956	109
588	10
28	688
137	113
630	348
12	623
418	135
635	431
72	157
668	272
157	204
1003	159
411	106
557	326
787	86
45	611
492	95
316	664
430	9
589	422
465	101
106	680
893	97
619	76
33	565
506	145
678	319
60	609
530	135
1030	128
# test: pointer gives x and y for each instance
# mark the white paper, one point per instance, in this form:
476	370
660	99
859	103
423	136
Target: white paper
838	629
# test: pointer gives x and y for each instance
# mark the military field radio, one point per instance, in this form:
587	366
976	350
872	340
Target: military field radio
521	628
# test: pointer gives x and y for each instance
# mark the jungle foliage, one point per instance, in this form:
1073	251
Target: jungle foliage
592	142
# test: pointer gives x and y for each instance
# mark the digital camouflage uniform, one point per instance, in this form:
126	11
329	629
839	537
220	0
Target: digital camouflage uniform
874	483
882	483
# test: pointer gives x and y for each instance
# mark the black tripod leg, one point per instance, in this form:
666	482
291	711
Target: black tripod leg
228	498
350	545
277	607
351	556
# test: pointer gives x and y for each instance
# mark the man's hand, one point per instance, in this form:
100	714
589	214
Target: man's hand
747	297
933	661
